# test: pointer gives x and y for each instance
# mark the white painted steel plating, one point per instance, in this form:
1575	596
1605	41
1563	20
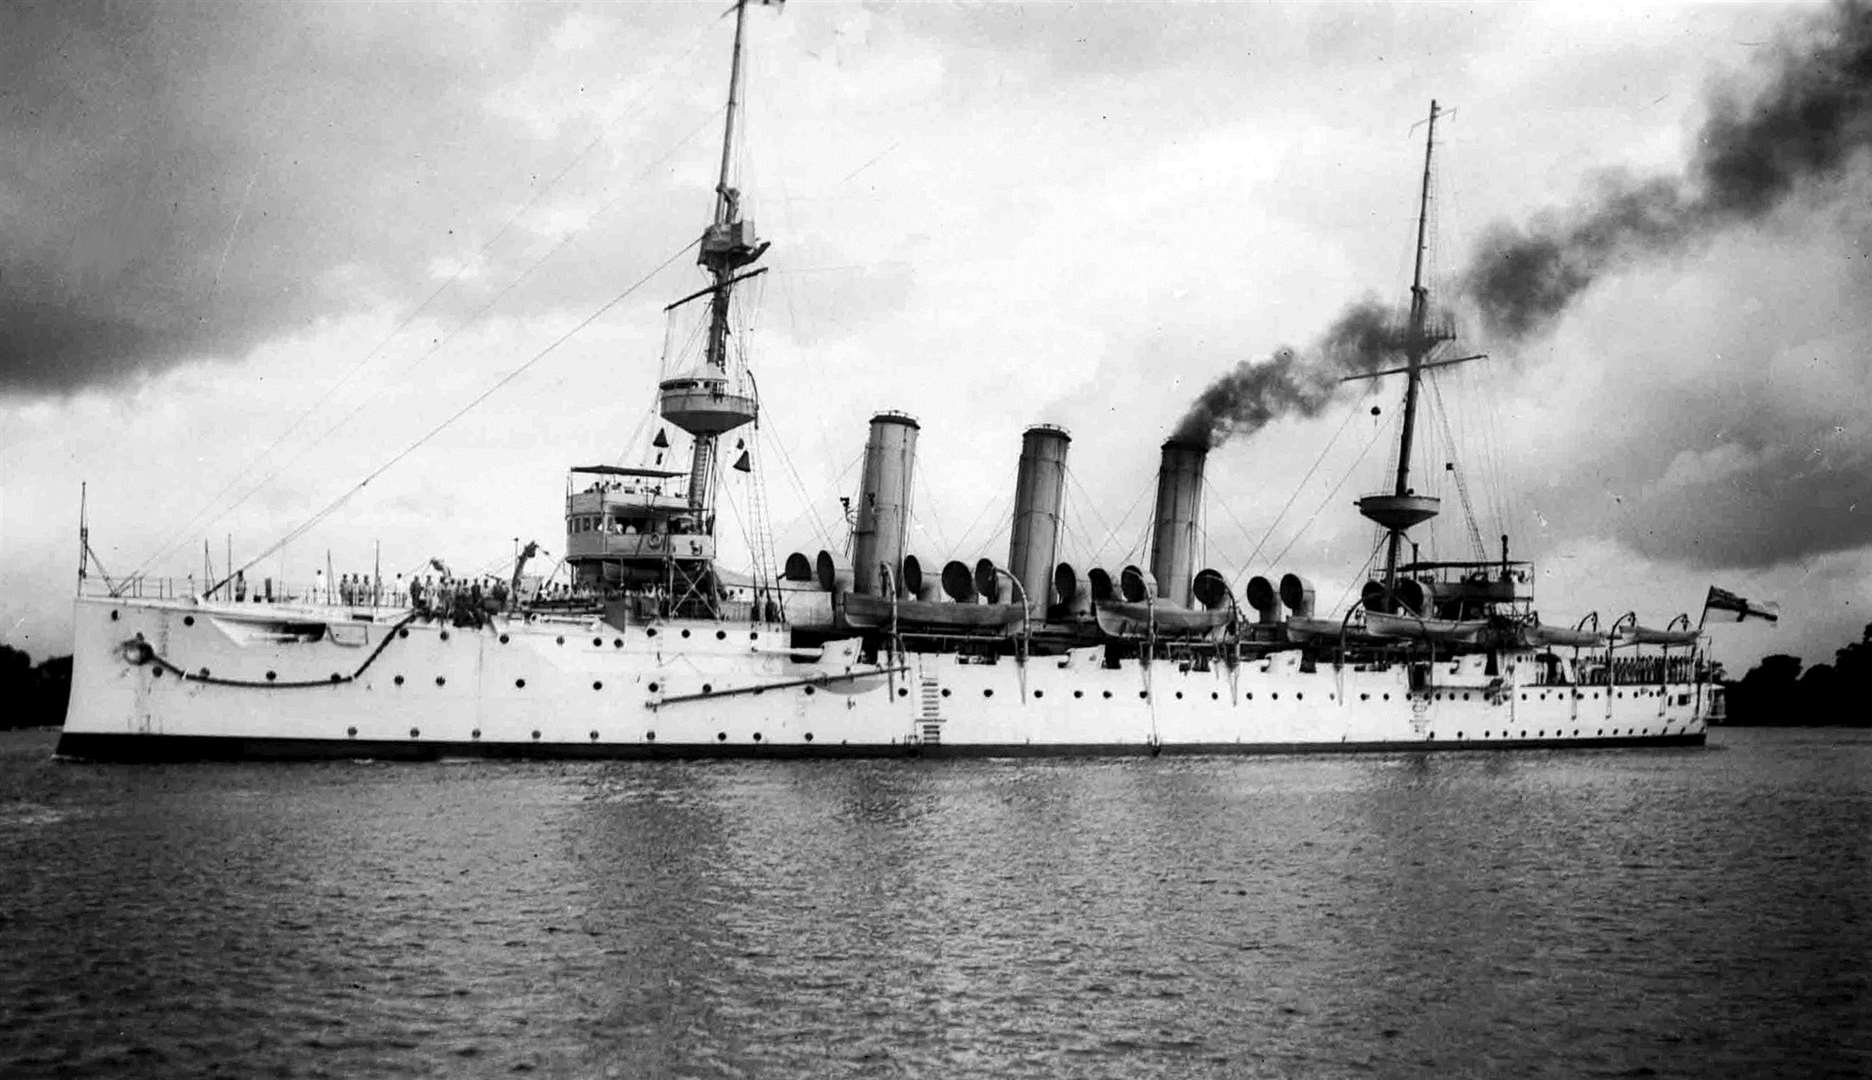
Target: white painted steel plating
582	686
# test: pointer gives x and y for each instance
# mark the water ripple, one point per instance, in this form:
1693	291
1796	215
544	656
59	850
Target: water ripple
1568	914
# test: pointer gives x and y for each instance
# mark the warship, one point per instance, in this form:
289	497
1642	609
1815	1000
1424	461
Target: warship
649	649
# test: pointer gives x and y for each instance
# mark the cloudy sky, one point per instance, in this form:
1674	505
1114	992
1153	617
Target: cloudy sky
255	252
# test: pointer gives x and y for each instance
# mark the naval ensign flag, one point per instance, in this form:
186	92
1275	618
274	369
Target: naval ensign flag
1724	606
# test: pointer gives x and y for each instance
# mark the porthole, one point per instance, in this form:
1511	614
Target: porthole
1524	734
1039	694
1249	695
903	691
204	673
337	678
1299	696
1143	695
271	675
649	631
414	732
1486	734
402	632
1541	734
594	736
351	731
1576	731
757	736
1078	693
398	680
617	643
560	639
519	684
1364	697
597	643
653	688
1601	731
685	632
753	635
721	635
809	691
156	672
809	736
1275	695
445	635
1108	694
1433	735
536	736
503	639
475	734
1459	734
649	736
1387	697
598	685
721	736
440	680
945	691
707	689
1179	695
1215	695
114	619
188	620
988	692
1465	696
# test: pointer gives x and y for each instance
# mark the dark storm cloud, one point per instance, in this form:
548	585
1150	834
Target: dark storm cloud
1787	503
1811	121
1793	480
1749	465
186	180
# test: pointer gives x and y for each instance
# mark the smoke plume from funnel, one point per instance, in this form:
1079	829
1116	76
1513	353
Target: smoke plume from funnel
1811	121
1291	383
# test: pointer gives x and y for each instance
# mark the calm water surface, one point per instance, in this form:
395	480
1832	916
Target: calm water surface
1571	914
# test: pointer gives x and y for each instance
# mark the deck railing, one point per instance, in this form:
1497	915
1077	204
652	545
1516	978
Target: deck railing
356	592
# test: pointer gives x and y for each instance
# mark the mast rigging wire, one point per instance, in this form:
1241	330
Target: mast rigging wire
1311	518
1317	462
465	409
410	317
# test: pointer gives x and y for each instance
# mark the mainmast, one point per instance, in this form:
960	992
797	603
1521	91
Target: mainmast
1417	345
1403	508
704	403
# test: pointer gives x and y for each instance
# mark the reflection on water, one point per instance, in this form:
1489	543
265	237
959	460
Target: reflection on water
1678	913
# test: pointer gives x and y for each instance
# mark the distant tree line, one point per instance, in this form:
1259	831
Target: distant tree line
1777	692
33	696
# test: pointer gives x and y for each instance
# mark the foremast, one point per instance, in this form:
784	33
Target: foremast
710	401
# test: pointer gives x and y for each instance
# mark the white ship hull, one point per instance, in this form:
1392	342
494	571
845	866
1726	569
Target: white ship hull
177	679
